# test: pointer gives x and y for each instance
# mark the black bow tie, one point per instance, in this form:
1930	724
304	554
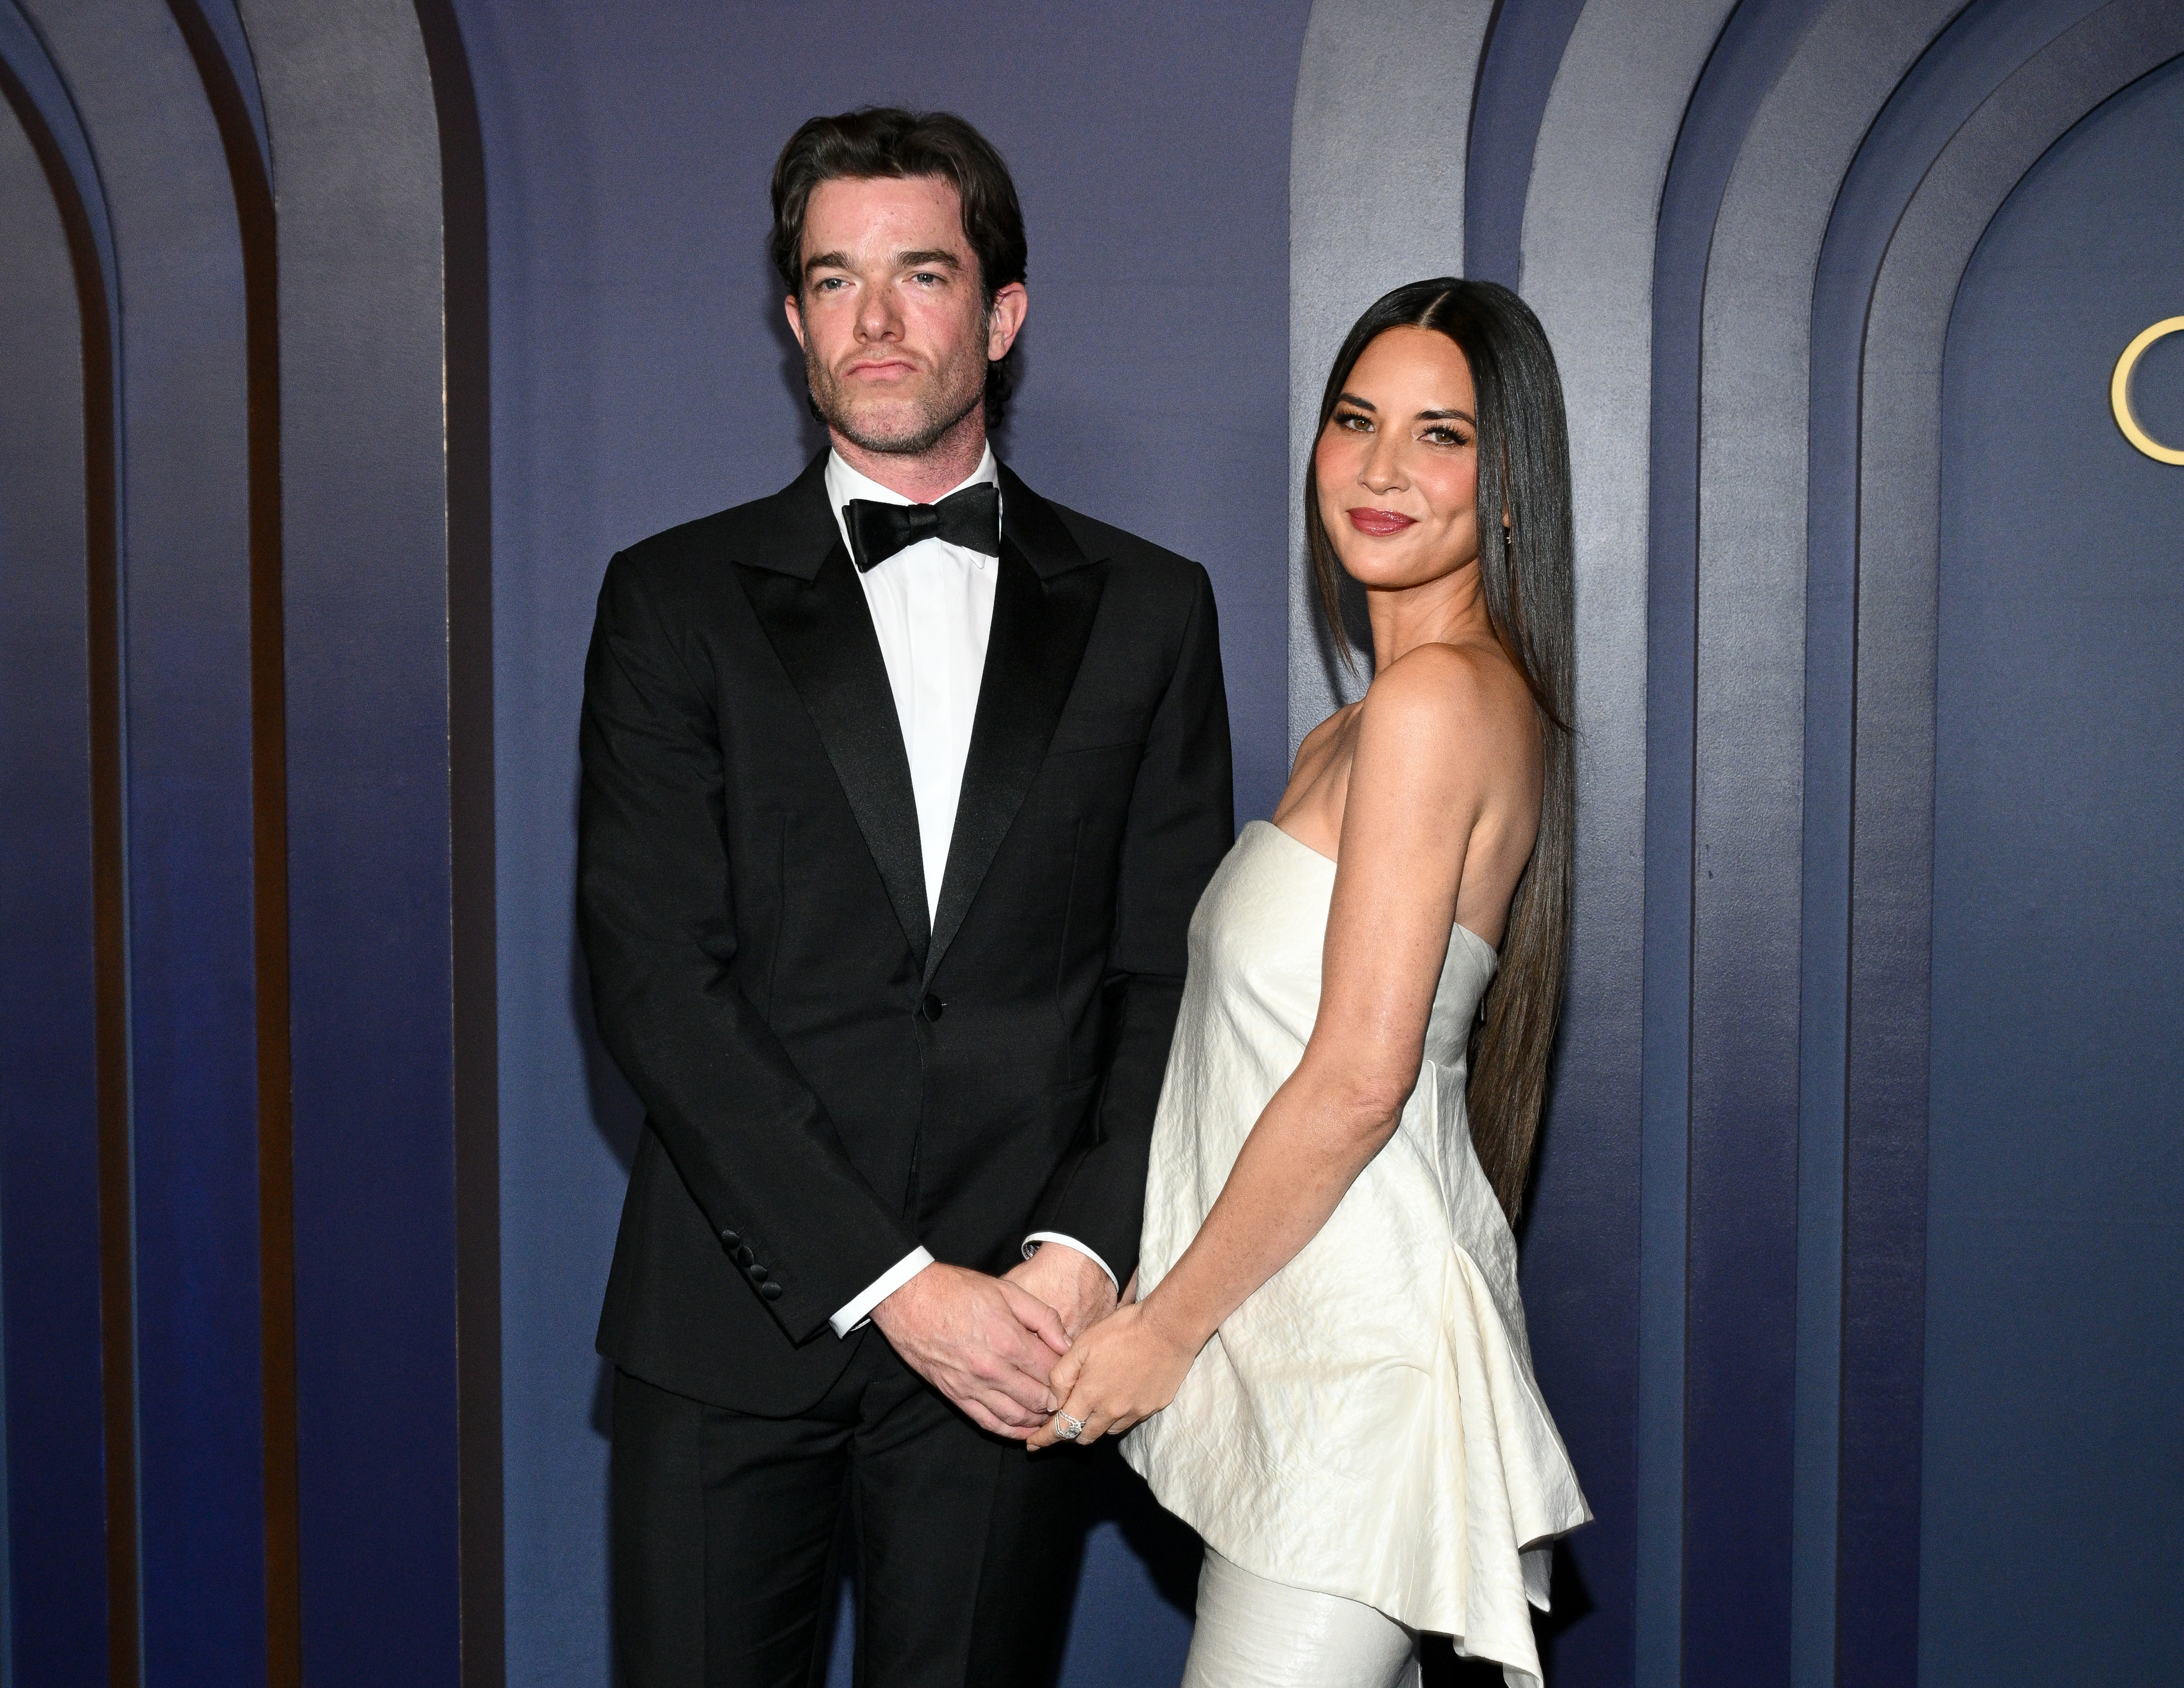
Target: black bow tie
971	518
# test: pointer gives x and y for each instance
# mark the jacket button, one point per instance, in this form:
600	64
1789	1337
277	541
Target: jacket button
729	1239
934	1007
759	1274
742	1254
771	1291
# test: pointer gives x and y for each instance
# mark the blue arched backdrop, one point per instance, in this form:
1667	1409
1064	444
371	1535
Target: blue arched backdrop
344	340
2058	930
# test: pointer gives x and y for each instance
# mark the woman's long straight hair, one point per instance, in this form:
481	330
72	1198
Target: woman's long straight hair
1525	575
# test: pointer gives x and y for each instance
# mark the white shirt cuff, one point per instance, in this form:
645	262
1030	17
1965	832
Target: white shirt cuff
1031	1247
855	1313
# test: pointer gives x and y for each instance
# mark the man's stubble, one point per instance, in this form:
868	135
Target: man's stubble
956	389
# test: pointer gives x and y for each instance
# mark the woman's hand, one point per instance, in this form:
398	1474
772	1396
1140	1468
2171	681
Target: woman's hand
1124	1369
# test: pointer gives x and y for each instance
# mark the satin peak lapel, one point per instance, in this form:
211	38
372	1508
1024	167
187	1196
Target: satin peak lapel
822	632
1044	602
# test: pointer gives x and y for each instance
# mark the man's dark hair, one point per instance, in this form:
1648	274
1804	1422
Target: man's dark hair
887	141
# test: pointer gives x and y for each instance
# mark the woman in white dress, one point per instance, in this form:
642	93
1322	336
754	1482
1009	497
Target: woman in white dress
1326	1362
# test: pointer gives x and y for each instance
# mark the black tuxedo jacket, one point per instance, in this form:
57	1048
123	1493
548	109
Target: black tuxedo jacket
829	1079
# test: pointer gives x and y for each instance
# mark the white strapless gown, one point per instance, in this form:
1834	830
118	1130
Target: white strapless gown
1366	1424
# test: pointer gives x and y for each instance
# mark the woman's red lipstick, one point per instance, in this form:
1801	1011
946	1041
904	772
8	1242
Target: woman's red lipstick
1379	523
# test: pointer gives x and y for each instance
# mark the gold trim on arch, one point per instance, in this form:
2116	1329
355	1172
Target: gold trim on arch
2120	392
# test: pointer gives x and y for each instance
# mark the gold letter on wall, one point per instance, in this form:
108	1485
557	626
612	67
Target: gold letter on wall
2120	392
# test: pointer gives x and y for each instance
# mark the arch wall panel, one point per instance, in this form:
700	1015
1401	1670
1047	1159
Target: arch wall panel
1745	1402
1889	1048
1704	1213
1981	44
1862	1373
186	695
366	577
152	120
1376	199
2057	944
53	1553
1600	156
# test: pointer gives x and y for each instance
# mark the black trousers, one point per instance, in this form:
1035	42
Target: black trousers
723	1527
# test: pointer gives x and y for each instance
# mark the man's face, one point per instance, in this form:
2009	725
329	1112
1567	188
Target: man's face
895	332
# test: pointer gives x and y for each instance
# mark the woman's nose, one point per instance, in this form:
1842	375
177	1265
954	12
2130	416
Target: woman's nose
1383	469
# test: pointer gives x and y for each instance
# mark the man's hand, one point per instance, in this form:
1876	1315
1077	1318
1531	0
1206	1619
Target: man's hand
1122	1372
984	1342
1069	1281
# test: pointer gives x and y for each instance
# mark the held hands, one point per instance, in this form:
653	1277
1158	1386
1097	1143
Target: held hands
1124	1369
1067	1280
985	1343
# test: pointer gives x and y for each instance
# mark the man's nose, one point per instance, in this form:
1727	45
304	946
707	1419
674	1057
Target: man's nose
876	318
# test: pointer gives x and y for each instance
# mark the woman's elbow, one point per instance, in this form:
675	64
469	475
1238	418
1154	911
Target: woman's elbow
1365	1106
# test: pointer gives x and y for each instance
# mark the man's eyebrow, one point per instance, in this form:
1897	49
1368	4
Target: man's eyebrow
933	258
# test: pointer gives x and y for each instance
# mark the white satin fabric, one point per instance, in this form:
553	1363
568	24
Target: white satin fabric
1366	1425
1255	1634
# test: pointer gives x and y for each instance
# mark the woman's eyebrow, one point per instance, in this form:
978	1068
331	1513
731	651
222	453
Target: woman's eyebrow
1447	416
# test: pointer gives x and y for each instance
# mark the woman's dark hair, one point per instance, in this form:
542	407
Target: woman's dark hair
886	140
1525	578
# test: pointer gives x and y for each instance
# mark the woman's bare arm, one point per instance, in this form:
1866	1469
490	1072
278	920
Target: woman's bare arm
1434	749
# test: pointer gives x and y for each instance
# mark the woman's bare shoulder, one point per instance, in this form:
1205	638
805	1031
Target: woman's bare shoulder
1440	695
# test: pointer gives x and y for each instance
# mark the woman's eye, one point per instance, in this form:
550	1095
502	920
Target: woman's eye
1446	436
1352	422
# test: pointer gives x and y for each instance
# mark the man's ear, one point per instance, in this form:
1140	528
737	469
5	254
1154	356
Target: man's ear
1006	321
795	317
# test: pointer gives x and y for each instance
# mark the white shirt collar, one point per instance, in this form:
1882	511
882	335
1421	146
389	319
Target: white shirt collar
845	483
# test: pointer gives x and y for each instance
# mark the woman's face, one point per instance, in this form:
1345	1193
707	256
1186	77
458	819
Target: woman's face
1397	465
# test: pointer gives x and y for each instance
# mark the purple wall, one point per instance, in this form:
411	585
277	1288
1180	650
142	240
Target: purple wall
642	375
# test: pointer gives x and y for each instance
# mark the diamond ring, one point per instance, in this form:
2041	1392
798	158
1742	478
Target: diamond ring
1072	1427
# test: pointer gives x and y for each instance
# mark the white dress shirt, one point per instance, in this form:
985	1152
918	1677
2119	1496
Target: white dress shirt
932	606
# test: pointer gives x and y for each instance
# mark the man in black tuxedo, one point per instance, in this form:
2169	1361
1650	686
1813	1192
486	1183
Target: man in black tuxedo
899	786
